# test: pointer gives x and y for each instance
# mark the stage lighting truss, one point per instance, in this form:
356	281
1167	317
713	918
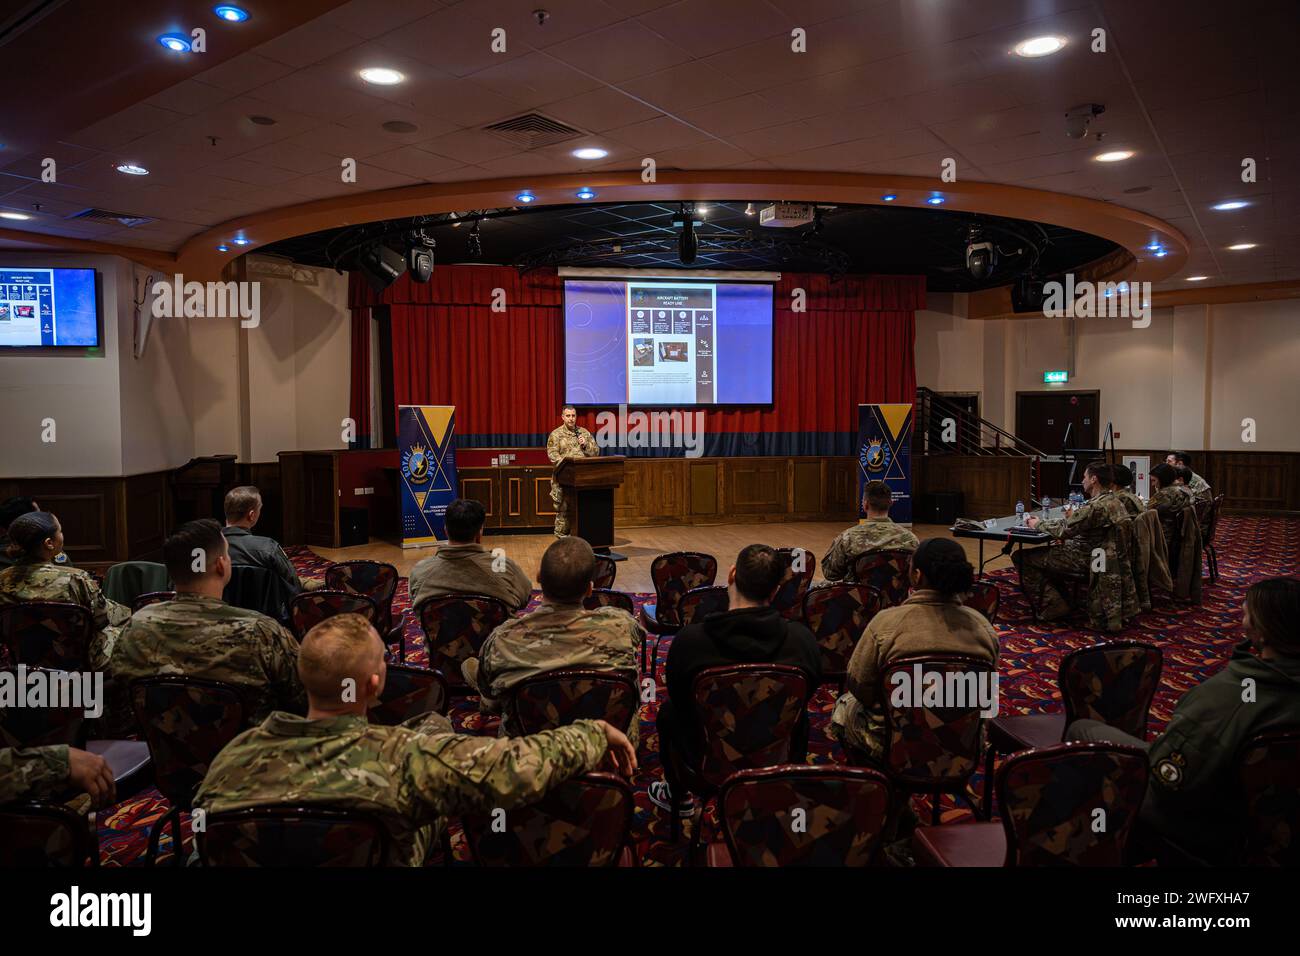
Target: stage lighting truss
660	248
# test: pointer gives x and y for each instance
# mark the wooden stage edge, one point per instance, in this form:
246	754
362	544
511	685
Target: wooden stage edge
643	544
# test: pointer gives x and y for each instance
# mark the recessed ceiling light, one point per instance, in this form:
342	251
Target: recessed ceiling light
400	126
1039	46
240	241
1197	278
1242	246
1231	204
525	197
131	169
18	216
223	248
1114	156
176	42
889	197
381	76
231	14
936	200
591	152
586	192
1160	253
263	120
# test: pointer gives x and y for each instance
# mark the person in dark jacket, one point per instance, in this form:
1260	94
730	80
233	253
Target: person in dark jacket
750	632
1193	801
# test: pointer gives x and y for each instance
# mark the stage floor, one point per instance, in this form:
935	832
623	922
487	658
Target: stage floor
643	545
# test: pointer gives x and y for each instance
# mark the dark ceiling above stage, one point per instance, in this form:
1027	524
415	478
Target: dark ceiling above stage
854	239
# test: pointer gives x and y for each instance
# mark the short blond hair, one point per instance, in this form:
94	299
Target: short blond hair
240	501
339	647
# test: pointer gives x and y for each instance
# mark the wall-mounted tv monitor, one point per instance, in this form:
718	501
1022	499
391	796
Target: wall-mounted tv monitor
48	308
667	341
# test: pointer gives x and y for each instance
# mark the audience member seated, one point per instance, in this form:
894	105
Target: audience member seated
1171	499
560	633
1087	528
1198	486
35	539
12	508
931	621
243	508
464	566
1193	800
43	773
877	533
751	631
413	774
197	634
1123	489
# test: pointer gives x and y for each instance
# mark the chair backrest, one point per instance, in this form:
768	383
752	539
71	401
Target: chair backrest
47	725
127	580
410	692
583	822
377	580
747	714
697	602
1050	800
928	746
837	614
152	597
186	721
286	835
606	571
886	570
309	608
1113	682
560	697
40	834
455	627
604	597
1211	523
673	575
255	589
798	565
984	597
50	634
1269	774
799	815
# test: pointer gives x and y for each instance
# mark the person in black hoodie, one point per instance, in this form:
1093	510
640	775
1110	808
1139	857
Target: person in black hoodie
750	632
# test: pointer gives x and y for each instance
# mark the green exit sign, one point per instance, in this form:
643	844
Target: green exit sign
1052	378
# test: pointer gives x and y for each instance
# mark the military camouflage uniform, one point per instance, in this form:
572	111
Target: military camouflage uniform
1094	525
1199	489
565	443
467	569
411	775
45	581
873	534
1131	502
1169	502
205	637
34	773
552	637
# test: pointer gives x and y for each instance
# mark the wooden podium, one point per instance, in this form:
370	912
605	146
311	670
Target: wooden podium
590	484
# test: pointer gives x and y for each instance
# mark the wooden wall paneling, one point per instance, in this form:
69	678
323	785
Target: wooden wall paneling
265	477
842	485
292	498
757	486
479	484
145	505
806	496
991	484
321	492
704	481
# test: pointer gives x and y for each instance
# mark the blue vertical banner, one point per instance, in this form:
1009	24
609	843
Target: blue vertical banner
427	449
885	453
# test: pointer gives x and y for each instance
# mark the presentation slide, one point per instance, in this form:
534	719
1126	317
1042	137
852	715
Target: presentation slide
47	307
667	342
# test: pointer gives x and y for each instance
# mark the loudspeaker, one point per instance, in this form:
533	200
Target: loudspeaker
354	527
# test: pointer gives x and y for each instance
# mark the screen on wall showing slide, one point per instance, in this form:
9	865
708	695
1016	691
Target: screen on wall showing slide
667	342
45	308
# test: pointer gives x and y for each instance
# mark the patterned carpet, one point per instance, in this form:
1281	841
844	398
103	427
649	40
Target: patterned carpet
1196	642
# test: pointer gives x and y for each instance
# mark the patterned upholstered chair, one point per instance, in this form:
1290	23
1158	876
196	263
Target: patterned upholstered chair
583	822
933	750
698	603
455	627
153	597
604	597
378	581
799	565
1113	682
41	726
985	597
256	589
39	834
749	715
887	571
309	608
673	575
186	722
837	614
410	692
606	571
560	697
288	835
50	634
843	813
1208	528
1269	772
1048	800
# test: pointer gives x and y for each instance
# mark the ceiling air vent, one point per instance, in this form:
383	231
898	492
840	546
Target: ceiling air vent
532	131
111	218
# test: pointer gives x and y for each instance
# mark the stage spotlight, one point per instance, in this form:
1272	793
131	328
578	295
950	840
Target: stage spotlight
419	255
749	210
381	265
981	256
687	244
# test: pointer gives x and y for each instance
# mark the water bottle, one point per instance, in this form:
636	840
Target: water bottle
1020	513
1047	505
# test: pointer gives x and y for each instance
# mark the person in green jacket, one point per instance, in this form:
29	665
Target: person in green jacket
1193	800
